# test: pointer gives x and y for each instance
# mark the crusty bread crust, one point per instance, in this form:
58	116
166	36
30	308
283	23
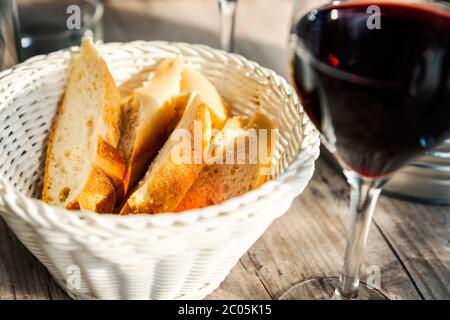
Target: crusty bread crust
194	81
166	181
217	181
161	126
106	165
110	160
149	115
98	194
49	155
121	137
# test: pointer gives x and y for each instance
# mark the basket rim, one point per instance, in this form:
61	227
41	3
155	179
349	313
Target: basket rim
295	169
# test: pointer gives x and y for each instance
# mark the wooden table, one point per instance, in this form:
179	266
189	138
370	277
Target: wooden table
409	242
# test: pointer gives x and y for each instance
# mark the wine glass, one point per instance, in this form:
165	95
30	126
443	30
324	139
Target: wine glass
48	25
227	9
373	76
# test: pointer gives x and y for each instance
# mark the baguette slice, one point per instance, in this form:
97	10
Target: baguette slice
169	178
83	165
148	117
194	81
260	122
136	81
222	180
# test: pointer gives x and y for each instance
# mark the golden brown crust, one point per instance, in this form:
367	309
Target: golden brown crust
142	155
51	137
108	167
149	115
98	194
194	81
219	182
169	180
111	108
163	193
49	158
110	160
73	205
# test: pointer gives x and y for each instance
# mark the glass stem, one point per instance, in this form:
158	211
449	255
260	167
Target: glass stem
227	10
363	198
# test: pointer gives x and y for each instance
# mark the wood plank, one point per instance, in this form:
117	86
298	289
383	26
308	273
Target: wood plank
309	242
242	283
22	276
420	236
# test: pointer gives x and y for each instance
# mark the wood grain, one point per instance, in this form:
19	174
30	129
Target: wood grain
309	242
408	242
419	235
22	277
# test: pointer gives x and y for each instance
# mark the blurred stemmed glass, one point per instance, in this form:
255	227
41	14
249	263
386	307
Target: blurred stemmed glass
227	9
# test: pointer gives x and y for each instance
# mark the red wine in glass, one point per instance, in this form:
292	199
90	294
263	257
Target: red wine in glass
378	96
374	77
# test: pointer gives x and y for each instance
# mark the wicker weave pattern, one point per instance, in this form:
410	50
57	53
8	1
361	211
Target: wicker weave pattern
145	257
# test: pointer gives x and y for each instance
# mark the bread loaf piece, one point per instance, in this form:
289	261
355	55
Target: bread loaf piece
224	178
83	165
148	117
136	81
169	178
193	81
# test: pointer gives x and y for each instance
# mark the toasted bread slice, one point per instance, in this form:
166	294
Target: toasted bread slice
148	117
83	164
169	176
194	81
223	179
135	82
97	194
260	122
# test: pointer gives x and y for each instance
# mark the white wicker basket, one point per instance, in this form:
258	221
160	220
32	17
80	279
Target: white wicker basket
162	256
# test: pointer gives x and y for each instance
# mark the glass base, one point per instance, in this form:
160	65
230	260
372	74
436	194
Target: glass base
324	289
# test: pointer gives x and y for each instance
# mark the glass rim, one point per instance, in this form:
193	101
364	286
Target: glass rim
440	4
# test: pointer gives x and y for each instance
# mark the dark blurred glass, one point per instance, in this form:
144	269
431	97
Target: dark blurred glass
50	25
9	38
